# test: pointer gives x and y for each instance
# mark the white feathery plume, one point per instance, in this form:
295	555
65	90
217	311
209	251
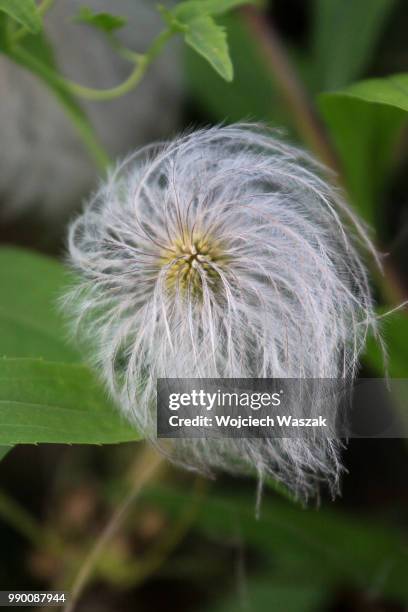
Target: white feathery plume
223	254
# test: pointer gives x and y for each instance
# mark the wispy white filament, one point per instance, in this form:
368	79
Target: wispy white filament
222	254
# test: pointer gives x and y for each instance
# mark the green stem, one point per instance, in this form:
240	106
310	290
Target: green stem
146	468
305	116
57	85
44	6
309	123
17	517
142	63
172	538
64	88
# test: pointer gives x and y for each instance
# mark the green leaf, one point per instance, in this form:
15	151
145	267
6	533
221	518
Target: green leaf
30	322
23	11
251	95
345	35
190	10
262	593
202	33
218	7
365	121
102	21
58	403
391	91
209	40
4	450
314	546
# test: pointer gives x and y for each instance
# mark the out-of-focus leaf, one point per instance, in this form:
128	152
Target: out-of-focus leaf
30	323
4	450
39	46
23	11
102	21
3	31
209	40
251	95
58	403
191	9
266	594
365	121
344	36
314	546
391	91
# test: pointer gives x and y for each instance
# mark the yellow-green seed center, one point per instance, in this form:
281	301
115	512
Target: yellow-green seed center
189	261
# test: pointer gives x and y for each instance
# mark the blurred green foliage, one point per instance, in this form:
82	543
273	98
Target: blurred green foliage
344	36
268	594
366	153
4	450
314	548
24	12
102	21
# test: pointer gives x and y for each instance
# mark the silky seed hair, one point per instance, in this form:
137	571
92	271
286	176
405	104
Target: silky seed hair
223	253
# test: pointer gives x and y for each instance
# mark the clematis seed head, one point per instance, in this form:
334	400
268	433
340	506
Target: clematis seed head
223	253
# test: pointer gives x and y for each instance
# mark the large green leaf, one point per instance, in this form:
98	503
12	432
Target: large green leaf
45	401
55	402
313	546
345	34
30	322
365	121
209	39
23	11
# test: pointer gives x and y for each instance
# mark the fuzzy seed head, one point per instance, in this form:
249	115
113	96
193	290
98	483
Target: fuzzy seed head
223	254
190	261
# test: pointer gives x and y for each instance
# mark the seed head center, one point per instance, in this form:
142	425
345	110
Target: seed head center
189	261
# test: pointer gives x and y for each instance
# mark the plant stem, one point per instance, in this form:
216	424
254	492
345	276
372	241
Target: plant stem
308	122
309	125
146	468
142	62
137	572
63	88
44	6
16	516
78	118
